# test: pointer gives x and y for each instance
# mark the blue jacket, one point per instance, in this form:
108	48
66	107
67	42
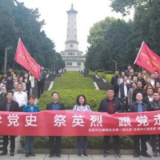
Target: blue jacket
27	108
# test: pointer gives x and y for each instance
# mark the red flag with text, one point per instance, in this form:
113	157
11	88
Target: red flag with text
24	59
147	59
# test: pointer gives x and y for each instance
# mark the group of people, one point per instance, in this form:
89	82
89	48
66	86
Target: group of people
131	92
139	92
10	82
16	96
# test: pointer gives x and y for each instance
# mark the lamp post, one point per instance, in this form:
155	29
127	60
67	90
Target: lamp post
5	58
115	62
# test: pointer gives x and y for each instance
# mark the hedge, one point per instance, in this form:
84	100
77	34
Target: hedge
108	77
70	142
69	86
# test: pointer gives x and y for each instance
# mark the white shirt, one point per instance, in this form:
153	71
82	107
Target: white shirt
125	90
20	98
150	98
152	82
31	78
81	108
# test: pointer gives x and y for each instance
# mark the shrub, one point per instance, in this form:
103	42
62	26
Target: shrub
108	77
70	142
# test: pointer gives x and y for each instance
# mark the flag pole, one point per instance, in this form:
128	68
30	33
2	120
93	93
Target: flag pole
138	52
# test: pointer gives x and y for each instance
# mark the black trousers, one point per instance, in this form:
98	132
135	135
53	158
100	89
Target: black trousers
116	143
55	145
40	88
5	143
155	142
140	139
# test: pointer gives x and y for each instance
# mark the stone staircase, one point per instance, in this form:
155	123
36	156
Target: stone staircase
101	84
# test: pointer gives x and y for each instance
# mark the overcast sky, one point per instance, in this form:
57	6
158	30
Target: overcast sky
55	16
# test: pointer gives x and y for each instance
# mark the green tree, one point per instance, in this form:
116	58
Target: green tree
18	21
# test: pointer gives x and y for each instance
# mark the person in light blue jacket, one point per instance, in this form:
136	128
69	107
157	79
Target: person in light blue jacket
81	105
29	140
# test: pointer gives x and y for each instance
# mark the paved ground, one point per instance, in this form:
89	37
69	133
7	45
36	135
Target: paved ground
74	157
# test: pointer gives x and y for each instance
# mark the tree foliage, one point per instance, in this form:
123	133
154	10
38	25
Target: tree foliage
121	40
18	21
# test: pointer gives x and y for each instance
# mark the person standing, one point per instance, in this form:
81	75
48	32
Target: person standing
20	97
149	97
81	105
15	87
124	89
41	82
28	84
3	94
115	83
155	139
139	89
139	106
111	105
9	106
130	93
55	141
29	140
32	80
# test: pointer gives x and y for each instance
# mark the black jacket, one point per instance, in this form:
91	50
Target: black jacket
154	106
13	108
134	107
28	84
43	78
61	106
114	82
104	105
121	89
146	101
3	97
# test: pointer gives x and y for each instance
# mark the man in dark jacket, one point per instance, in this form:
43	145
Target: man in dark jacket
139	106
3	94
115	84
139	89
156	75
155	106
149	97
124	89
41	82
55	141
9	106
111	105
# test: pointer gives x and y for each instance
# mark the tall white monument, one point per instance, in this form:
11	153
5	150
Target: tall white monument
74	59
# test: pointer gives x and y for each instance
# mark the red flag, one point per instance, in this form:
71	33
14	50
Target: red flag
147	59
24	59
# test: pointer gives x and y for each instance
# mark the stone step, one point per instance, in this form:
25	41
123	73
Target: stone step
74	151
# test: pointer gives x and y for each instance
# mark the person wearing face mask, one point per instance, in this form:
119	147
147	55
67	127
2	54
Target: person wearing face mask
155	139
29	140
3	94
55	141
81	105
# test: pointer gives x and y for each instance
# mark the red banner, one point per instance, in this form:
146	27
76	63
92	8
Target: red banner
24	59
147	59
69	123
